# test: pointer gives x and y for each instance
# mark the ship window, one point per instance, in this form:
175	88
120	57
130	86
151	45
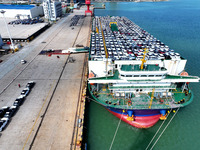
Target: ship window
136	75
115	65
128	75
122	75
137	90
151	75
140	90
158	75
143	75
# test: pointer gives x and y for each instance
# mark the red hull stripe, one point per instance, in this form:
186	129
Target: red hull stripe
139	122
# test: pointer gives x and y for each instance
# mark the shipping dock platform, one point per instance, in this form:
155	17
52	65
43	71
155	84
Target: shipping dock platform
51	116
21	32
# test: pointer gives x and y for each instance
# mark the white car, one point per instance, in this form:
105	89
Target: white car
25	92
23	61
3	123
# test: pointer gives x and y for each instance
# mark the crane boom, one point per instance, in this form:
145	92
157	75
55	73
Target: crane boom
152	96
143	59
104	43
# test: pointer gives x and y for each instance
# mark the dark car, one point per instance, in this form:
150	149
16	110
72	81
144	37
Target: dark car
3	123
19	101
3	111
16	103
50	50
25	92
30	84
11	112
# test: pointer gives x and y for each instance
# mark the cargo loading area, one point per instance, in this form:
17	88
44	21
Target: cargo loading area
21	32
125	40
48	117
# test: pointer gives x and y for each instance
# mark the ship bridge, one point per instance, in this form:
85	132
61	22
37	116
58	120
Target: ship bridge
117	78
150	71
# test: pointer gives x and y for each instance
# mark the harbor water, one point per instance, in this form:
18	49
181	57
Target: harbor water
177	24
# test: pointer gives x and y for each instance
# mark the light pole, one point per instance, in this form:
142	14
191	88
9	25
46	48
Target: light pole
2	12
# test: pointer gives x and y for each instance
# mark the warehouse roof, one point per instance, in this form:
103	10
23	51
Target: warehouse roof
7	6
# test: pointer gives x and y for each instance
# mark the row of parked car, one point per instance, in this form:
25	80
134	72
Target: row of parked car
6	112
26	21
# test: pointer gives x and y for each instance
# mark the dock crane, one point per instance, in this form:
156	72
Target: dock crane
87	2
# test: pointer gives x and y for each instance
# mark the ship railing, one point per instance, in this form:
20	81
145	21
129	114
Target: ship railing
141	104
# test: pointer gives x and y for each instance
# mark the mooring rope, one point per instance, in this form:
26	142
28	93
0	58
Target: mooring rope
116	132
165	128
95	101
157	131
117	125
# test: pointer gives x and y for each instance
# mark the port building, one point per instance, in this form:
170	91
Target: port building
52	9
21	11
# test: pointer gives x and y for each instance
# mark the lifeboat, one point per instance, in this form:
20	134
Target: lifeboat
91	75
184	73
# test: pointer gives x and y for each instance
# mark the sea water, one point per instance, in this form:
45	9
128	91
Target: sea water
177	24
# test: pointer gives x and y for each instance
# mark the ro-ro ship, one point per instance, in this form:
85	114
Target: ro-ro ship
133	75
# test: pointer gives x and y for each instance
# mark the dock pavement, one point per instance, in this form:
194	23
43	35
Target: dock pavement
48	117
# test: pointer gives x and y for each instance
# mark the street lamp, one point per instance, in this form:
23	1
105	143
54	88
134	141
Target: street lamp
2	12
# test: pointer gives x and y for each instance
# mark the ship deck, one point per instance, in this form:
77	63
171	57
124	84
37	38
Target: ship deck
115	76
142	100
137	68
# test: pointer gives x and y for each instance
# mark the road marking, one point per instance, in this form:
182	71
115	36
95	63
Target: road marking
38	116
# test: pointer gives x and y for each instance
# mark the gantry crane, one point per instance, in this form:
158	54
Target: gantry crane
87	2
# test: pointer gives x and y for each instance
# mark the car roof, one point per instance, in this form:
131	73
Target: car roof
4	119
13	106
21	96
4	107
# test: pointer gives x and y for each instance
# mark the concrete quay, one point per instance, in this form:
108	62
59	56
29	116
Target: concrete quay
48	117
